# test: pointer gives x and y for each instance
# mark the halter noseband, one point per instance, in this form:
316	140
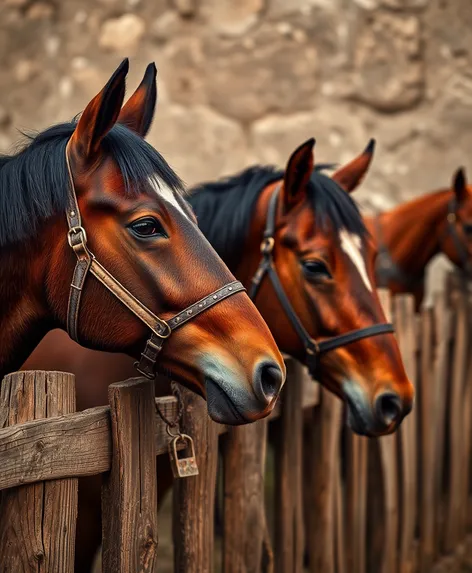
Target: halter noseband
313	348
86	262
459	245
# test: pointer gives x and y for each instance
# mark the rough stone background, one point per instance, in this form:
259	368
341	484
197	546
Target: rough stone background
244	81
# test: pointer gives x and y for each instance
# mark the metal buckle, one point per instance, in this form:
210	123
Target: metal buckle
267	245
77	231
167	329
451	217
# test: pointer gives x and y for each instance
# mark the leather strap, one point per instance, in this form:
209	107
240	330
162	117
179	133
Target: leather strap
313	348
86	262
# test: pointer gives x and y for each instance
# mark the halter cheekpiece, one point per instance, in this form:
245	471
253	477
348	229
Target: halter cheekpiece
86	262
313	348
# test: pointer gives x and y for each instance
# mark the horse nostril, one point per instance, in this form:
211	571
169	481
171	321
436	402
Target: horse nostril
388	408
268	382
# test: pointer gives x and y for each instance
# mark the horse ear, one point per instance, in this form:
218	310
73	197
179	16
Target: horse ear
351	175
138	112
459	185
298	173
100	115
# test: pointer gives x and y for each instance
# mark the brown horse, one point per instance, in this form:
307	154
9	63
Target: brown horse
325	261
410	235
142	235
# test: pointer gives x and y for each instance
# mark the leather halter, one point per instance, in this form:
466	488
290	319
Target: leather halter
86	262
313	348
461	248
386	269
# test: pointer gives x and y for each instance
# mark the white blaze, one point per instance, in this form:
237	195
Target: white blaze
167	194
351	245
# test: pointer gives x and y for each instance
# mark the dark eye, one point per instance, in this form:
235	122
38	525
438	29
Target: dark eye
316	270
467	228
146	228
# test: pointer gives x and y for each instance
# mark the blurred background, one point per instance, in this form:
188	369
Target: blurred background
245	81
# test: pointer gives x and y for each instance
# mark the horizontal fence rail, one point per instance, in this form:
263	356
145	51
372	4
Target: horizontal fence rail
300	492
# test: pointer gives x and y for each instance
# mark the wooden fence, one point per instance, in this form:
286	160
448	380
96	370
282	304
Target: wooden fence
339	503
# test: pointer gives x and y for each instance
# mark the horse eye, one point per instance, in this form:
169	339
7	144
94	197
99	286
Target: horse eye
467	228
147	227
316	270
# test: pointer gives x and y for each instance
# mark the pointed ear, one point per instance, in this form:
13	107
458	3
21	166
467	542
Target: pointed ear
459	185
351	175
100	115
138	112
298	173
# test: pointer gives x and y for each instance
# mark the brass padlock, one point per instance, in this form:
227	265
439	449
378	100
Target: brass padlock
183	467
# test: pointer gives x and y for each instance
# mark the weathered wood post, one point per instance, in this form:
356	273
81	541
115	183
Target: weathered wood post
194	497
289	528
244	453
37	521
129	495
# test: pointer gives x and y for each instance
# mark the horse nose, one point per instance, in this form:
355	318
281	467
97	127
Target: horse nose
388	409
268	381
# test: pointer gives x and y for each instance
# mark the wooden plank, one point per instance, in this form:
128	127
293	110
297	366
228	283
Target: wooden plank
455	417
323	459
289	531
37	522
443	331
194	497
383	500
129	493
426	405
76	445
338	511
356	500
405	325
244	453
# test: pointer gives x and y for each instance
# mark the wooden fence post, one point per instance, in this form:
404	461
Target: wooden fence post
244	451
289	530
323	466
443	323
406	327
428	417
194	497
456	423
129	495
37	521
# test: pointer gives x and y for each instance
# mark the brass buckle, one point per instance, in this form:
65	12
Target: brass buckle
77	231
267	245
167	329
451	217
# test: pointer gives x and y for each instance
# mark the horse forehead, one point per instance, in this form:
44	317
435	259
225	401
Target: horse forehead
352	246
167	194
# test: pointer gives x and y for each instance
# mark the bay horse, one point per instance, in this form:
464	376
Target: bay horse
410	235
324	258
95	186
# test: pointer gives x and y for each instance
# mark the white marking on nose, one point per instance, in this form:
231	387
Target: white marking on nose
351	245
167	194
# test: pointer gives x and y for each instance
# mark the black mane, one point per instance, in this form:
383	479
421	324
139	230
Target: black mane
34	182
225	208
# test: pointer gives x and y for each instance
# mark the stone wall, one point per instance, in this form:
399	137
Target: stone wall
243	81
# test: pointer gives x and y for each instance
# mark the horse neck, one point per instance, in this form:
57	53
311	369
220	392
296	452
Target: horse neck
412	232
21	316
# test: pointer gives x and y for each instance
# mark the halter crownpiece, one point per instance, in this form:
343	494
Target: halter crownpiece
313	348
86	262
